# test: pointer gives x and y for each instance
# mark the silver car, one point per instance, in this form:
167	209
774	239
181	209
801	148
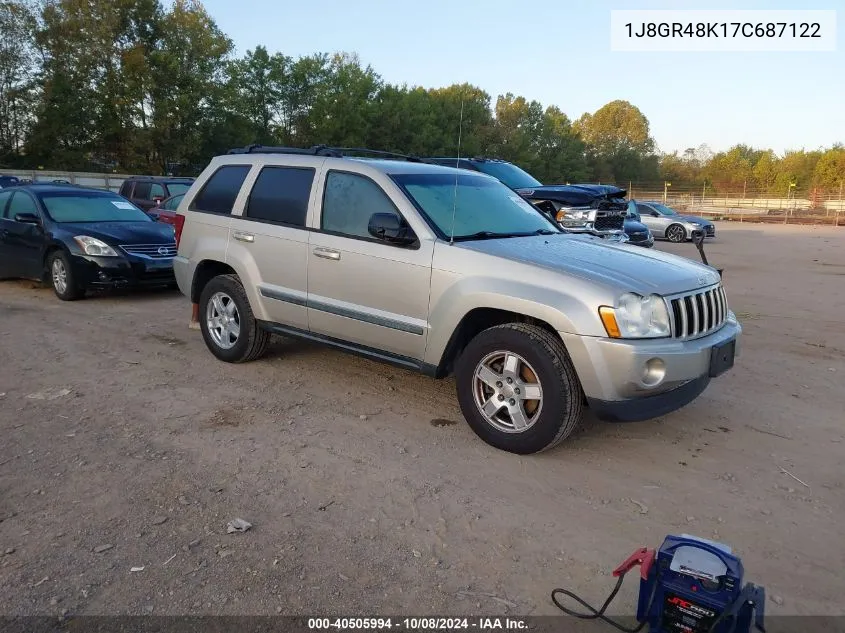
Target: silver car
667	223
447	272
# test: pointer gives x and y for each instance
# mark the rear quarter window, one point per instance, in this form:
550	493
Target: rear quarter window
220	191
280	195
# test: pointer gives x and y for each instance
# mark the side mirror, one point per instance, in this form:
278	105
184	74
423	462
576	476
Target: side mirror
27	218
389	228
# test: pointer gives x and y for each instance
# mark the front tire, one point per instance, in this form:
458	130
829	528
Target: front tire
517	388
229	327
676	233
62	278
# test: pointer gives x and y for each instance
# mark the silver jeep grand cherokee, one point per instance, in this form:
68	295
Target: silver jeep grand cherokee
447	272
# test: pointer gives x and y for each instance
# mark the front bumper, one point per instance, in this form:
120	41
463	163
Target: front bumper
118	272
645	242
617	381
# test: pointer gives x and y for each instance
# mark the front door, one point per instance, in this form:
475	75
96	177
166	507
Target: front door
5	259
23	241
360	289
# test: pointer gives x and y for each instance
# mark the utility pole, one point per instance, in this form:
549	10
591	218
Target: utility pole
666	186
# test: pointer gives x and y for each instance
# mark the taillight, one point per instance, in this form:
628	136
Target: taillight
178	223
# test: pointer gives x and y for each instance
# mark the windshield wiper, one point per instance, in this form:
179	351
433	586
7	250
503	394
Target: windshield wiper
491	235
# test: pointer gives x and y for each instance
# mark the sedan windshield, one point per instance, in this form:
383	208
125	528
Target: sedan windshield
510	174
481	207
662	209
90	206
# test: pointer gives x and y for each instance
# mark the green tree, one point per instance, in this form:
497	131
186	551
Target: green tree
619	143
188	83
829	172
765	171
17	74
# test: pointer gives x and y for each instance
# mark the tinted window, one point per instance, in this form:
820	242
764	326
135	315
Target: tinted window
4	198
142	191
21	203
93	206
126	188
281	195
510	174
219	193
348	202
157	191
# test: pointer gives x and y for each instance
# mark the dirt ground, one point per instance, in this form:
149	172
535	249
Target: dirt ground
367	492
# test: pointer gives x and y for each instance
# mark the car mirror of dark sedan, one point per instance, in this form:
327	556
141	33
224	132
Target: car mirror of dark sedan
27	218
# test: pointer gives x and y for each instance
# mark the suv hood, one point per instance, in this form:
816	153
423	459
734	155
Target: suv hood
624	267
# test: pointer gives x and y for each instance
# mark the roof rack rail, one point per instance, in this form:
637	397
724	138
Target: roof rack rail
316	150
376	152
323	150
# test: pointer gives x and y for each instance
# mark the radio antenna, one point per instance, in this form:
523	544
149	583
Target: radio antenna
457	162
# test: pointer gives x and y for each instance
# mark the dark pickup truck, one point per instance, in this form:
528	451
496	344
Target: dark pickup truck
583	208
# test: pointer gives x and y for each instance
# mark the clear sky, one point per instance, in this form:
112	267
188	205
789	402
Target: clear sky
558	52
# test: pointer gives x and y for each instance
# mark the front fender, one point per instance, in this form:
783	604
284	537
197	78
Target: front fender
454	296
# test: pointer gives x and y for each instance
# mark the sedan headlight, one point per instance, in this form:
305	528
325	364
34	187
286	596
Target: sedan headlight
93	246
636	316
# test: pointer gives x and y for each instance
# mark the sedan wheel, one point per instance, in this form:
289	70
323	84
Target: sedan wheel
676	233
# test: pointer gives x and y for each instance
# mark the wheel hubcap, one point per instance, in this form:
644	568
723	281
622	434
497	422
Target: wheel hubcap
59	276
676	234
507	392
223	320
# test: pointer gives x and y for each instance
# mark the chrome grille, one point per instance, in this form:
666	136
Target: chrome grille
699	313
153	251
609	221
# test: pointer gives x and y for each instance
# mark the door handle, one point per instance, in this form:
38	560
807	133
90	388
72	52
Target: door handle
327	253
243	237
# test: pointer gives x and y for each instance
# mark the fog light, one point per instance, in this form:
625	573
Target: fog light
654	371
103	276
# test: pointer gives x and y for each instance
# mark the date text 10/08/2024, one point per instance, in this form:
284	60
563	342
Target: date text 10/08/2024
418	624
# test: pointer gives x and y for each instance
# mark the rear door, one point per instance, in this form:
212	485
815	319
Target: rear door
269	238
23	242
361	289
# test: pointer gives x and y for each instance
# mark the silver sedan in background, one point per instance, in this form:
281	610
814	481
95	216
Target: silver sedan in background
667	223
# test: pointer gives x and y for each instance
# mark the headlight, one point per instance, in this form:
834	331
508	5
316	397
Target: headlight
695	223
573	218
93	246
636	316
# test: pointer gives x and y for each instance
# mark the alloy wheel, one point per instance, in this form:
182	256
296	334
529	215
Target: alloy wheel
507	392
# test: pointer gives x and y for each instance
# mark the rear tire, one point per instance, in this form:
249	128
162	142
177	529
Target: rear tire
229	327
676	233
530	362
62	278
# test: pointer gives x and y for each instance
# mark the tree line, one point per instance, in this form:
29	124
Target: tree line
136	86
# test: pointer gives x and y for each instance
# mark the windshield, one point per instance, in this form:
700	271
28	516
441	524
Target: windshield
662	209
90	206
508	173
176	188
482	207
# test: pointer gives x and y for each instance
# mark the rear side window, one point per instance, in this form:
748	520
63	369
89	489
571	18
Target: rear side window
126	188
219	193
156	191
281	195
